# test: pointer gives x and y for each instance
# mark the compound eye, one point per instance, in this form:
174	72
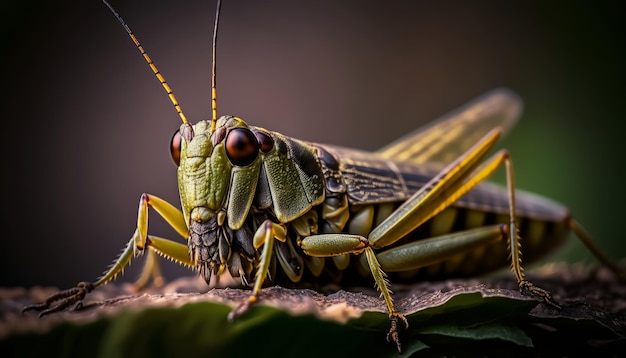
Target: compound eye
175	146
242	147
265	141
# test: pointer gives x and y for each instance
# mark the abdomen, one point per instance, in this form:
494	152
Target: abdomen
543	225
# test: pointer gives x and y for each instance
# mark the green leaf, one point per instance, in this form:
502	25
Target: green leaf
494	330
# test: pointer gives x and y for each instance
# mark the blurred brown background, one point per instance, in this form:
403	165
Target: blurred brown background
87	126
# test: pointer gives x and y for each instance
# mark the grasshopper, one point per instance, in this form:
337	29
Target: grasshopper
266	208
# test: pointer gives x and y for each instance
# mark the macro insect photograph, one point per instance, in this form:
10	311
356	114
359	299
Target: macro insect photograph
313	177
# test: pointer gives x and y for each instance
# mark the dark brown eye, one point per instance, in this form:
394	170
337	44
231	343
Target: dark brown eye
242	148
175	146
265	141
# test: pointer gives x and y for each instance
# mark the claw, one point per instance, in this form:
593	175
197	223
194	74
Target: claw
392	335
242	308
63	299
529	289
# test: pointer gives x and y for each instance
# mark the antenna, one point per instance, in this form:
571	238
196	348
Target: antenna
154	69
214	68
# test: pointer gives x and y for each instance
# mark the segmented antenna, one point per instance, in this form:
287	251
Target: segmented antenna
154	69
214	68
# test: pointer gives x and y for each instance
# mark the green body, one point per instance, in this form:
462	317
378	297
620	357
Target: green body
313	189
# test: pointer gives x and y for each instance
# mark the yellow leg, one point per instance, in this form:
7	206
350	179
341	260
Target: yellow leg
329	245
385	291
264	236
433	197
591	245
136	245
150	272
172	216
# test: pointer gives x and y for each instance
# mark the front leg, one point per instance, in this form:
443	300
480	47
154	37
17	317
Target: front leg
138	243
265	235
